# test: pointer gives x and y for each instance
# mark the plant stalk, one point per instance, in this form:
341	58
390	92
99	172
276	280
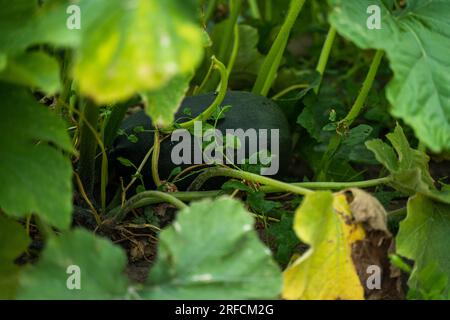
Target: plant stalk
345	123
324	55
367	85
88	146
269	68
244	175
118	213
205	115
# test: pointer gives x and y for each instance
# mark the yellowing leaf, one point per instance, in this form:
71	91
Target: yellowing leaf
326	269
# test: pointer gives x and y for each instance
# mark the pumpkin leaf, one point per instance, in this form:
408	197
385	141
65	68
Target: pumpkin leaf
67	256
211	251
424	237
417	41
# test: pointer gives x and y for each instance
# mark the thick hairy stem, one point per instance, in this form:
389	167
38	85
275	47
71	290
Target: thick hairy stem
333	185
238	174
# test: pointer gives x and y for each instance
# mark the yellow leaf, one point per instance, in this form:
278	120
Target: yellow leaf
326	270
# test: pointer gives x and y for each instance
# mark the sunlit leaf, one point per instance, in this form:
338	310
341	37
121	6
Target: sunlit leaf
135	46
326	269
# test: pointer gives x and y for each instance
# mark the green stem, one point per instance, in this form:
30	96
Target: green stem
205	115
237	174
113	122
199	89
138	171
235	50
66	81
210	10
332	148
289	89
367	85
224	50
345	123
254	9
268	10
184	196
333	185
155	159
118	213
324	55
235	9
104	166
88	146
269	68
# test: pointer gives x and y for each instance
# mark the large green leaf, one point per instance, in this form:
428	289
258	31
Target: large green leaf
99	262
211	251
417	42
135	46
24	23
13	241
35	176
424	237
35	69
122	46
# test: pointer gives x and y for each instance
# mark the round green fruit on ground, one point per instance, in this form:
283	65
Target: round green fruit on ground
240	110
